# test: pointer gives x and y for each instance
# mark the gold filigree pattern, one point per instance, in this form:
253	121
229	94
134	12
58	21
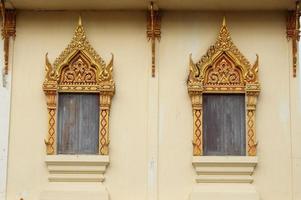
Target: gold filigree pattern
223	69
197	141
78	72
105	102
251	133
51	106
103	140
79	42
78	69
51	132
222	73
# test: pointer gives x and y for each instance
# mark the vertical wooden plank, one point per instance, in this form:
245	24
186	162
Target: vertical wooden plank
224	124
88	123
78	123
67	123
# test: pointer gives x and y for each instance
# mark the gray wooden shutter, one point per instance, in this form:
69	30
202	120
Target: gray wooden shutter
224	124
78	123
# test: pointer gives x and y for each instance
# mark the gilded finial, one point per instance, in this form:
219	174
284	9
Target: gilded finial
80	20
224	21
151	5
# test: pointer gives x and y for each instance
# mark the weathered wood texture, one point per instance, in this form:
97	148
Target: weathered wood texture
78	123
224	124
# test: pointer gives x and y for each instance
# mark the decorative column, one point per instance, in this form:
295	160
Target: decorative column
153	33
252	92
51	136
104	112
195	91
196	99
50	90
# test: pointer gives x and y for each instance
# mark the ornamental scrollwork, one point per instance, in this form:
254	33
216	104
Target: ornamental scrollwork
78	69
293	34
223	69
223	72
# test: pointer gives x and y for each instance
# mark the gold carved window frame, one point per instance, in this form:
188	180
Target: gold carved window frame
223	69
79	69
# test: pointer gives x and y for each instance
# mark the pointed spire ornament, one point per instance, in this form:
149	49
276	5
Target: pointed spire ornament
80	20
224	21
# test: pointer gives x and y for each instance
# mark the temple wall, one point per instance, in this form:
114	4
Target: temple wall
130	175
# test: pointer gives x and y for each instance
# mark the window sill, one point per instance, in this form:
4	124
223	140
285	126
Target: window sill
224	169
76	168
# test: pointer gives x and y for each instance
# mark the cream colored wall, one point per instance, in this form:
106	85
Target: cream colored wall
123	33
262	33
43	32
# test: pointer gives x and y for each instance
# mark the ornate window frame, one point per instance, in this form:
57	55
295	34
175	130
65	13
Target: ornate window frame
223	69
79	69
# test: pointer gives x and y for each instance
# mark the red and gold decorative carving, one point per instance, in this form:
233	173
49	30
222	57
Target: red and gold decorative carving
153	32
223	69
293	34
79	69
8	31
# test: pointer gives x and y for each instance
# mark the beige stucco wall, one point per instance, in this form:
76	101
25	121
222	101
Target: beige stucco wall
123	33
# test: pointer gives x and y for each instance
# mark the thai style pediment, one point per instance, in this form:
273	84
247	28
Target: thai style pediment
223	67
79	67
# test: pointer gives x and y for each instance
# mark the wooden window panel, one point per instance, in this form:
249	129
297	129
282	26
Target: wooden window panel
78	123
224	124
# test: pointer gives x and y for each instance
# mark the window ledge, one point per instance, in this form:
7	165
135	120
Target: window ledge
76	168
224	169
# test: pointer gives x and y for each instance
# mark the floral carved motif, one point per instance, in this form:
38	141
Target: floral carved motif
78	72
223	72
223	69
79	69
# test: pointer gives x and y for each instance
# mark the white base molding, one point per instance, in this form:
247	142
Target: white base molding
75	191
224	178
209	191
76	177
